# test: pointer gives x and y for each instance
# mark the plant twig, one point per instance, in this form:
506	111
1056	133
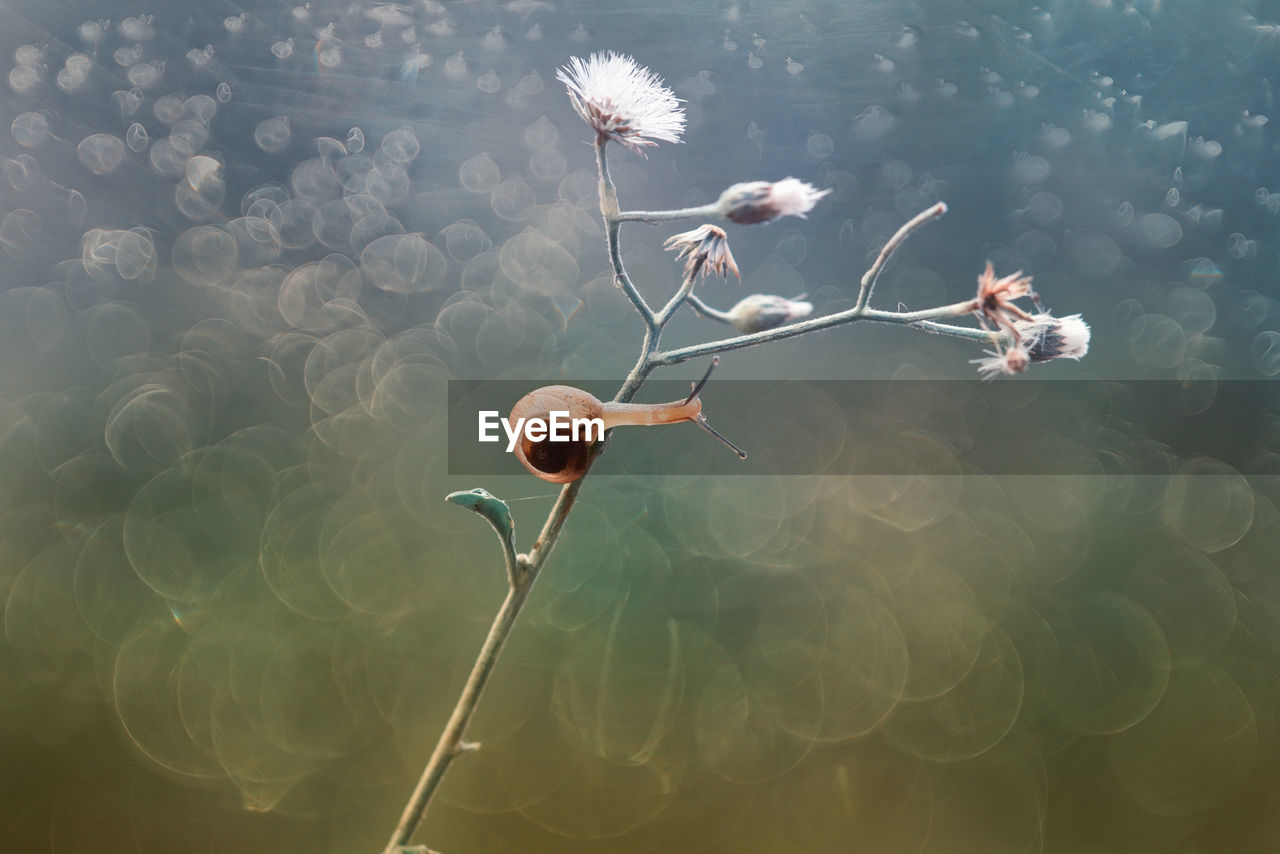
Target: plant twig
969	333
451	741
909	318
528	566
701	308
870	278
524	572
673	305
523	569
701	212
609	209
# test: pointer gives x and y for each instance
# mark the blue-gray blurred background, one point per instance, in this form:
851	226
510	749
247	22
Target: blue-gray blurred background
245	248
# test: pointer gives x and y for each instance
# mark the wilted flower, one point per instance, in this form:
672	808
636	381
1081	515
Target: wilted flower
1039	339
1011	360
759	312
705	250
1048	337
762	201
995	299
622	100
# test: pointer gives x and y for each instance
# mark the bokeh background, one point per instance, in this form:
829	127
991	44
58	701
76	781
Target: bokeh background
245	247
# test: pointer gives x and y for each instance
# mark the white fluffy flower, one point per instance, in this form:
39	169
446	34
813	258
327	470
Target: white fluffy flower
762	201
622	100
1050	337
1041	338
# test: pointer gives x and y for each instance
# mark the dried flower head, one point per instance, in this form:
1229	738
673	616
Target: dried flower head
704	250
622	100
762	201
1003	360
995	299
1048	337
759	312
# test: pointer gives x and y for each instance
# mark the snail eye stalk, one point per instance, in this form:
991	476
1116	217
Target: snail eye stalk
698	386
701	420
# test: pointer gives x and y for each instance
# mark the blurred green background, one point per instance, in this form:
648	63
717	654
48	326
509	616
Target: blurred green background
246	247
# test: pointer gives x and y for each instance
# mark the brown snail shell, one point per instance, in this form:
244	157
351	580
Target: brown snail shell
565	462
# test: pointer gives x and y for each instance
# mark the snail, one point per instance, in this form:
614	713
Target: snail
562	461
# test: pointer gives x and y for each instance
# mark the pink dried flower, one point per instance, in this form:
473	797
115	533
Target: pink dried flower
622	100
995	299
705	250
1013	360
762	201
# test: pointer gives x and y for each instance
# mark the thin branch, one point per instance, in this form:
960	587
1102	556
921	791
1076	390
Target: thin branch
609	210
955	309
524	573
684	354
451	740
702	309
703	212
858	312
668	311
969	333
870	278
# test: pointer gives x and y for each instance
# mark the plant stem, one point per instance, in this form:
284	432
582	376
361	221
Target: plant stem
673	305
969	333
527	567
451	741
907	318
870	278
712	210
701	308
609	209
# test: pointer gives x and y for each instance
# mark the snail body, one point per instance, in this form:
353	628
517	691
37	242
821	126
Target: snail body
565	459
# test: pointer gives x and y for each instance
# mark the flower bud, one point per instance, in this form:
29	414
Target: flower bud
1048	337
759	312
763	201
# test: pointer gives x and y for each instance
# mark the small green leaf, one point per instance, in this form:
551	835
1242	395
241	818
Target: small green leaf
492	508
